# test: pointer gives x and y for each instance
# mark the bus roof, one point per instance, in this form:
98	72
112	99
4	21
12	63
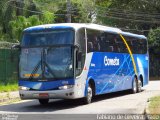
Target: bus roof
133	35
76	26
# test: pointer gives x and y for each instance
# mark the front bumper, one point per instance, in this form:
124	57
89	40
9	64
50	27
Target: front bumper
52	94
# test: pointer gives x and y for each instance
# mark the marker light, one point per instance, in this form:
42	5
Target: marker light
65	87
23	88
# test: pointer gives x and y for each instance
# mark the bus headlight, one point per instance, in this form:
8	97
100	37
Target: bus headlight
65	87
23	88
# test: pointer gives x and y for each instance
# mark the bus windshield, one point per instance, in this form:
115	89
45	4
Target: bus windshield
46	55
42	38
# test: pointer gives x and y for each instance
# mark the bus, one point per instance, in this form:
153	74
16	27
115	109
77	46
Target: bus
75	60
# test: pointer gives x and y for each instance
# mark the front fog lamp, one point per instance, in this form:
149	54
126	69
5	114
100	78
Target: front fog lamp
23	88
65	87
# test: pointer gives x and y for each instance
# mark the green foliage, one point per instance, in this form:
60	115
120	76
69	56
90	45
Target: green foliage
47	18
86	10
118	13
154	39
154	105
129	14
17	15
18	25
9	87
81	11
4	37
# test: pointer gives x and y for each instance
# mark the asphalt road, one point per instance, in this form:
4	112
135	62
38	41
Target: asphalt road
114	103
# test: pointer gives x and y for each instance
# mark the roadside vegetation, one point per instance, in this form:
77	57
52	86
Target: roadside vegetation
154	105
8	87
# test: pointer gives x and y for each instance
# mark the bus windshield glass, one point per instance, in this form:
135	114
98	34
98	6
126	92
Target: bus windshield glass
44	38
47	55
46	63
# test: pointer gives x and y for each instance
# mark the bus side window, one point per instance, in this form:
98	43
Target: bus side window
108	41
90	46
122	46
110	49
144	46
81	51
136	49
130	45
93	40
102	43
116	44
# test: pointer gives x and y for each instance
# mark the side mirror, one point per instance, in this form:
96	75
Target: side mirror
90	47
16	46
79	60
79	56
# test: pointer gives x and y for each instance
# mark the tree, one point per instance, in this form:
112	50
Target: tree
82	11
18	25
129	14
47	18
140	15
154	40
154	52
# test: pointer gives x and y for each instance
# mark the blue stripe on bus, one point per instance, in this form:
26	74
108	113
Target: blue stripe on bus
115	78
122	65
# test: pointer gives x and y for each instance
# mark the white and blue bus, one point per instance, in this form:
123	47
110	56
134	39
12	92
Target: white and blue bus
71	60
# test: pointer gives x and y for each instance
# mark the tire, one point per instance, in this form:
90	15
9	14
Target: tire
43	101
88	98
139	86
134	86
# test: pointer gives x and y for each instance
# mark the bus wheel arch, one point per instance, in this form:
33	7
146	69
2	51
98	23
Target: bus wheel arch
90	91
92	83
140	83
134	84
141	79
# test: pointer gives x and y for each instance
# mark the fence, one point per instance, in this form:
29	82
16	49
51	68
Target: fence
8	64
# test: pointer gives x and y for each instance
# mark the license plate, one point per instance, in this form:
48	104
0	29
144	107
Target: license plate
43	95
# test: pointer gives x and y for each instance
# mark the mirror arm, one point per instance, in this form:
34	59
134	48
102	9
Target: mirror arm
16	46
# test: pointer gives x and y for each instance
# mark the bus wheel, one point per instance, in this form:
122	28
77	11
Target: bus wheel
43	101
134	86
88	98
139	86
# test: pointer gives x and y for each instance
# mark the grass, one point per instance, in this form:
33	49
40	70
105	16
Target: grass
9	87
154	105
5	90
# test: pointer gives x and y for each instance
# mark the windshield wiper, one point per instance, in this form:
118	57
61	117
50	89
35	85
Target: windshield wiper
44	62
50	70
37	67
44	65
41	63
35	70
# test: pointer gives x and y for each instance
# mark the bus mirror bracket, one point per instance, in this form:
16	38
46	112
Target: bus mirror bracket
15	46
79	56
78	60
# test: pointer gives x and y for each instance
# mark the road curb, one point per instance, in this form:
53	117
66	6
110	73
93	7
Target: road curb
148	114
9	96
8	99
146	111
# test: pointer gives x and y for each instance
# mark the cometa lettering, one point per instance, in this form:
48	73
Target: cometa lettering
111	61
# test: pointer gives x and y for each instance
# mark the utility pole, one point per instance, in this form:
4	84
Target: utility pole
68	5
19	4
